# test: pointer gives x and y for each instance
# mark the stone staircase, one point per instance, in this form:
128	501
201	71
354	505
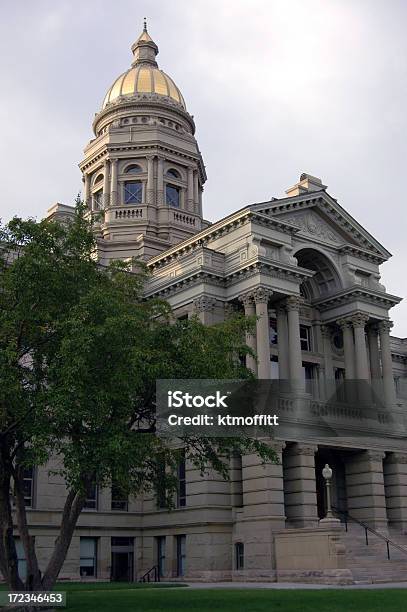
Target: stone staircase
369	563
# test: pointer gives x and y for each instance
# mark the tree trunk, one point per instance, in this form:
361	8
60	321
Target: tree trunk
72	509
8	553
33	582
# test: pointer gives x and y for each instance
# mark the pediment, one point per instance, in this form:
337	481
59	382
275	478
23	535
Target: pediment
319	216
313	225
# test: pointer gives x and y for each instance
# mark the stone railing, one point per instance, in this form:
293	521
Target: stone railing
184	219
125	213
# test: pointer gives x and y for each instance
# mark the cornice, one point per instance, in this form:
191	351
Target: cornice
220	228
151	147
357	293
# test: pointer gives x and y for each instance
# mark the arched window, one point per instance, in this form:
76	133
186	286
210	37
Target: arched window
133	169
173	173
239	555
98	179
172	196
133	192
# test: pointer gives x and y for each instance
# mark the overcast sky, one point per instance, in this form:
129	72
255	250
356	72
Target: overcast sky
277	87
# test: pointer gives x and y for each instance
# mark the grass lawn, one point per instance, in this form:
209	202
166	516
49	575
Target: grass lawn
118	597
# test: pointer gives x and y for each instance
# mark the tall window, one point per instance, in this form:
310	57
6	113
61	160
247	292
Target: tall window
161	491
119	499
305	337
181	554
91	502
172	196
273	331
21	561
133	192
28	487
98	199
88	557
161	555
182	485
239	555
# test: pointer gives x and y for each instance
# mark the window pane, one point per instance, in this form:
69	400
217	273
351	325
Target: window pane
273	332
172	196
133	193
87	564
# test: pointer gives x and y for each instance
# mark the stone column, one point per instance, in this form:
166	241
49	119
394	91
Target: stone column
282	338
150	179
329	377
361	360
261	297
250	311
86	190
196	191
106	185
204	306
348	348
160	181
372	337
387	363
300	491
294	343
113	183
263	486
365	488
395	487
190	191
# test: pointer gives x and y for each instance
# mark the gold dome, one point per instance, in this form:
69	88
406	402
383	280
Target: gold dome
144	77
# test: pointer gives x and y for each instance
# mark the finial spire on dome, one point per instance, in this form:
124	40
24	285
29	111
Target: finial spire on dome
144	49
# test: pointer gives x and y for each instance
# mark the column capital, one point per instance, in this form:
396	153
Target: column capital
385	326
204	304
261	295
246	299
303	449
293	302
344	323
359	319
150	156
397	457
374	455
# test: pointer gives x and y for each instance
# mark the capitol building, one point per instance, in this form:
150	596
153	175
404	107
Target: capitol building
311	274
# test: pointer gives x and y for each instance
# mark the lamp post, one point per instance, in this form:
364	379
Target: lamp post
327	474
329	521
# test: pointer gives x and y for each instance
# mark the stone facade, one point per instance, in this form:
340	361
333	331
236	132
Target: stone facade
311	274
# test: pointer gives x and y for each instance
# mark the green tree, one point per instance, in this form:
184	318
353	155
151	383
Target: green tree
80	351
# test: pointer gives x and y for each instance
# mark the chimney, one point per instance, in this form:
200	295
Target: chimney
306	184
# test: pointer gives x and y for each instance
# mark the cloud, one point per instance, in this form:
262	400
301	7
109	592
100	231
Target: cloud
277	87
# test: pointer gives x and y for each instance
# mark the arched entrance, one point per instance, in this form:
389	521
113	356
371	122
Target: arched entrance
326	279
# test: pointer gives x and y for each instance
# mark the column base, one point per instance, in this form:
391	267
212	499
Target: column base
330	522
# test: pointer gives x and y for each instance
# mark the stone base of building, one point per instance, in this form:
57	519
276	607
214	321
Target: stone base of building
329	576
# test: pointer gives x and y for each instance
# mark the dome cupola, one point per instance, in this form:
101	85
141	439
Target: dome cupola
144	76
143	172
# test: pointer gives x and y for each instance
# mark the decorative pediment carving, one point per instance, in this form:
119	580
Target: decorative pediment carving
312	224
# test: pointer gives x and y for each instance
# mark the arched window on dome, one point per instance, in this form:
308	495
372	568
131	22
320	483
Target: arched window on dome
98	179
172	196
133	169
173	173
